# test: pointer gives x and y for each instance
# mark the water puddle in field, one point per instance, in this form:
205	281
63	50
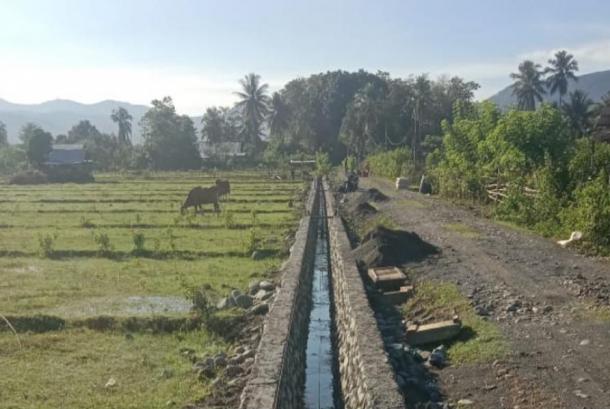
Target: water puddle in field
133	305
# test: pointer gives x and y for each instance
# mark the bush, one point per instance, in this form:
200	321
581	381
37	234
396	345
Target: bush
46	244
391	164
28	177
250	242
102	240
323	165
138	242
228	219
590	212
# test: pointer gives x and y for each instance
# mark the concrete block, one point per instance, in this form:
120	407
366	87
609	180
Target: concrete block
395	297
402	183
387	278
432	333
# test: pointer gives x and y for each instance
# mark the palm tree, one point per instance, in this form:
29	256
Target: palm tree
123	119
278	114
561	70
254	105
528	86
579	111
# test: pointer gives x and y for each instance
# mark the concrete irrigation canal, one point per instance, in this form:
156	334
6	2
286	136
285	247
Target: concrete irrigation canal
321	347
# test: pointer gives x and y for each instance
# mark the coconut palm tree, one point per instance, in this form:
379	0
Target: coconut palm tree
528	86
254	106
122	117
579	111
561	70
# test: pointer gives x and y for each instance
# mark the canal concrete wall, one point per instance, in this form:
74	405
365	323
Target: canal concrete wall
366	376
278	375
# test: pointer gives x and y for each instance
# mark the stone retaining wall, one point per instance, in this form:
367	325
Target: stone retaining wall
367	378
278	374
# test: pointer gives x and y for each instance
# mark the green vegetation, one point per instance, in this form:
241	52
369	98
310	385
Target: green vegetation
480	340
391	164
149	370
117	257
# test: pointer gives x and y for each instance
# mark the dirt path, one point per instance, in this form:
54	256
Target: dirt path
538	293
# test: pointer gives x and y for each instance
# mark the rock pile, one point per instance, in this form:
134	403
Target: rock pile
260	294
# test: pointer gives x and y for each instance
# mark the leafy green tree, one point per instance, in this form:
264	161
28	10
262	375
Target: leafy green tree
528	86
3	135
560	71
12	159
82	132
212	122
579	112
123	119
254	105
37	143
170	139
278	115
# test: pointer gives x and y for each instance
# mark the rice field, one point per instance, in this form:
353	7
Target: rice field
120	247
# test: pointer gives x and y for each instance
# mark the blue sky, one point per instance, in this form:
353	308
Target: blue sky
195	51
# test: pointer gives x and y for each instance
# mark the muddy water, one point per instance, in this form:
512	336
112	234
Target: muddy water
320	380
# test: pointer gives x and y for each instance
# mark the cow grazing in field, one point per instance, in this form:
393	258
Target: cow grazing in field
199	196
224	187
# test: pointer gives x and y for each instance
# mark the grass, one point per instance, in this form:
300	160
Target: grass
463	230
120	247
591	312
480	341
69	369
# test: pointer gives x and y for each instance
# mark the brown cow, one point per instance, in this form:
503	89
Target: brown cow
199	196
224	187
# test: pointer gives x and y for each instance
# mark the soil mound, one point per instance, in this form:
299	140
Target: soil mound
374	195
385	247
362	210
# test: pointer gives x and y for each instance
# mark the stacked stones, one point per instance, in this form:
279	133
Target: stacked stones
367	379
260	294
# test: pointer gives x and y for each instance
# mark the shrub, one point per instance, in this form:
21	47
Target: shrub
104	246
250	241
86	223
46	244
138	242
201	300
391	164
323	165
228	219
590	211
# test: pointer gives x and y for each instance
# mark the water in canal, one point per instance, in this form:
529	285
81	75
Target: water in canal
319	376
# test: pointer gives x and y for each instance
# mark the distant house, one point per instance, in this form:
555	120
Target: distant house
221	150
66	155
68	163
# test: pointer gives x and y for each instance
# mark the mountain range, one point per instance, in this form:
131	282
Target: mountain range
59	115
596	85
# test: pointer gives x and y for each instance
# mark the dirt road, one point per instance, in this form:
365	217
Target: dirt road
540	295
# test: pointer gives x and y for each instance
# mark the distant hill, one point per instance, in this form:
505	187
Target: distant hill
59	115
596	85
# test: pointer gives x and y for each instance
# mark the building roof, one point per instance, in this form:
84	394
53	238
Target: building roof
66	155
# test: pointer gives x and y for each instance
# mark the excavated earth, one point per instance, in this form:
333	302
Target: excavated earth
550	303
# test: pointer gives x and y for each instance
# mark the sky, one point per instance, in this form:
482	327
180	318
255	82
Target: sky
196	50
